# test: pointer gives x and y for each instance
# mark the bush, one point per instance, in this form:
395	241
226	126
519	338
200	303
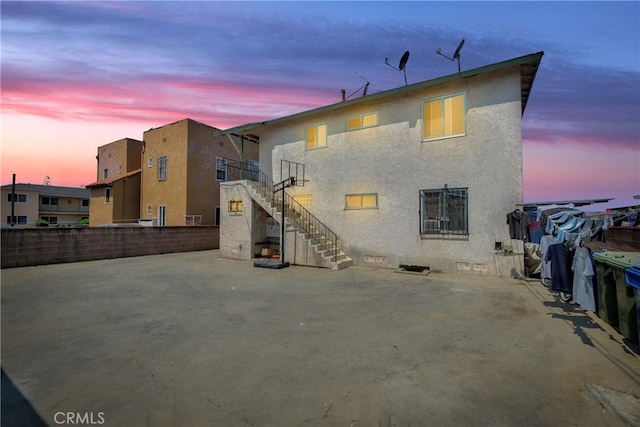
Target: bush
42	223
83	222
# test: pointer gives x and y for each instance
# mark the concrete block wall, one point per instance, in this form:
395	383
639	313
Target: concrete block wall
38	246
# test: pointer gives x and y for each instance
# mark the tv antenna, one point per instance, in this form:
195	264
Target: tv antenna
365	87
402	66
456	54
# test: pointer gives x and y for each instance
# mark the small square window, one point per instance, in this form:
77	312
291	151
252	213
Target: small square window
235	206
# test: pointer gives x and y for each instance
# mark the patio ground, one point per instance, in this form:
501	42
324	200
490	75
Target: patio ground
190	339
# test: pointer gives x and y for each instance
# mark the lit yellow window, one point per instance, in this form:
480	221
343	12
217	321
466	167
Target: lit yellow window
362	121
235	206
444	117
316	136
361	201
303	199
354	122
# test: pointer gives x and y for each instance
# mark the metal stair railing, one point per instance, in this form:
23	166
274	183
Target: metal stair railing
321	235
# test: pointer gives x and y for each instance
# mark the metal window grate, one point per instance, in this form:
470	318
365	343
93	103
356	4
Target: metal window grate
444	212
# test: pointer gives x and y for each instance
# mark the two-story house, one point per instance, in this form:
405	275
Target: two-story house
55	205
422	174
115	195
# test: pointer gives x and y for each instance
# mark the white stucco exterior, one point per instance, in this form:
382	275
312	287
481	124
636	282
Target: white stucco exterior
393	161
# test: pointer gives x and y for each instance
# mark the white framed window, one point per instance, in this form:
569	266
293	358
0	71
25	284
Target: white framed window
221	169
50	201
150	162
51	220
149	210
162	167
361	121
316	136
17	197
444	211
444	117
20	220
361	201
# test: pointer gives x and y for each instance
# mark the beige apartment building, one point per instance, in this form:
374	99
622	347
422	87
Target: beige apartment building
422	174
115	195
183	164
57	206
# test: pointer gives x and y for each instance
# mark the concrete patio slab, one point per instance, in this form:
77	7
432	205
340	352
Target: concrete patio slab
190	339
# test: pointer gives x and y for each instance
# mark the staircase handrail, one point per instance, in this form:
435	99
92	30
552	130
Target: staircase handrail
294	211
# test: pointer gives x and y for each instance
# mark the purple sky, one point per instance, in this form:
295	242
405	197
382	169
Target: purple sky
78	75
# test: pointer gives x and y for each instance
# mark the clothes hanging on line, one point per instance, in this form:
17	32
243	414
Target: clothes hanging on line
561	259
582	267
519	225
545	269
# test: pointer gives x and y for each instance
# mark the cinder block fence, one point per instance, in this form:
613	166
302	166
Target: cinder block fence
23	247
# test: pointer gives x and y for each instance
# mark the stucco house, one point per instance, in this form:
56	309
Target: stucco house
422	174
58	206
182	166
115	195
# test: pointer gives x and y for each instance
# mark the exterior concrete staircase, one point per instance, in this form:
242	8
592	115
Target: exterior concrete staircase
317	236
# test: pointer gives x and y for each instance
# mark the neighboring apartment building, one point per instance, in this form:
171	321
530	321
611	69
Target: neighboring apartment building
58	206
183	164
418	175
115	196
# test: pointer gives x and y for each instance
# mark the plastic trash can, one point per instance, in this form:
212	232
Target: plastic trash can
625	295
607	300
632	277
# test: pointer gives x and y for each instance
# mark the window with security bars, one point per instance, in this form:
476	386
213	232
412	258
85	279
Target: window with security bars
444	211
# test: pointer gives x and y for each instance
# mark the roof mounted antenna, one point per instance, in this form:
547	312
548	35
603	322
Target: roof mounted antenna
402	66
456	54
365	87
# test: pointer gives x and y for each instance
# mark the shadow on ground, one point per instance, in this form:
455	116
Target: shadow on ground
16	409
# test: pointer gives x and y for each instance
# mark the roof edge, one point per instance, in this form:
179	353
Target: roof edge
533	58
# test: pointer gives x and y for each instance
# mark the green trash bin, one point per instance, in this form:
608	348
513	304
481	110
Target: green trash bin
619	262
607	300
632	275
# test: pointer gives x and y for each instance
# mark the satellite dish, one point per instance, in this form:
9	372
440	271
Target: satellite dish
456	55
402	66
365	87
403	61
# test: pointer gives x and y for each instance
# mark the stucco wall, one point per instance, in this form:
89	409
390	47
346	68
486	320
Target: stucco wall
28	209
191	187
38	246
393	161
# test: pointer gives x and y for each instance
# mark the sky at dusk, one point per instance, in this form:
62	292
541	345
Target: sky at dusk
78	75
